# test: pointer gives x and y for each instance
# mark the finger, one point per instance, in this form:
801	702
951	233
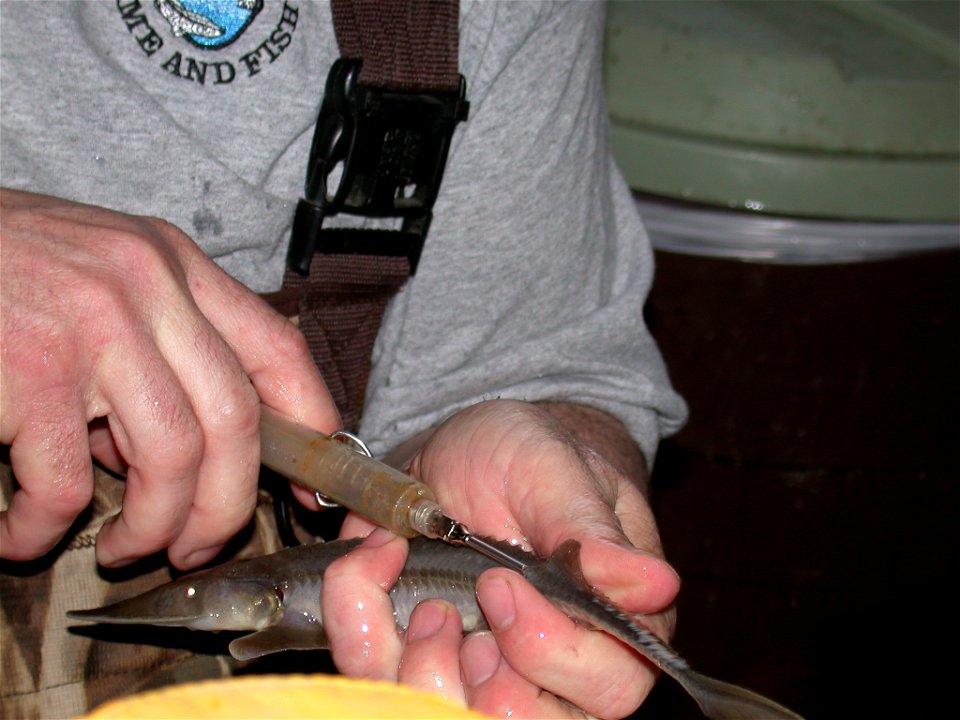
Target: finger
620	549
629	568
634	580
355	525
155	430
50	458
228	411
357	611
431	651
103	448
271	350
494	688
587	667
288	379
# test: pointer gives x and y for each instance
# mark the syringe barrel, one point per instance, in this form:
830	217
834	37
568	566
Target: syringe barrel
367	486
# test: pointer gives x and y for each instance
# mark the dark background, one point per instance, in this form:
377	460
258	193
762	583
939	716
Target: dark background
810	503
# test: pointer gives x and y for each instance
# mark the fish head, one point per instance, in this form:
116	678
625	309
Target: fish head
199	602
227	604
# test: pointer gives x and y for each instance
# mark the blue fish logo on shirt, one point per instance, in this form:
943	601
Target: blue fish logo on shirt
209	24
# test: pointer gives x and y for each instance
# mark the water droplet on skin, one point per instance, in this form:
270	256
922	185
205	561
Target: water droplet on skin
515	535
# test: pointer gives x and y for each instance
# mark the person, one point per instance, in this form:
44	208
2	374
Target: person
513	373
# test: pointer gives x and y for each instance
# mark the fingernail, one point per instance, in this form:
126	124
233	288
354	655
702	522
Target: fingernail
427	620
496	599
105	556
113	561
479	658
198	557
378	538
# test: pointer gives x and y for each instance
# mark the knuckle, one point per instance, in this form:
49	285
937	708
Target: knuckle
112	312
132	247
287	341
166	229
66	499
70	497
178	440
237	411
143	253
44	359
55	431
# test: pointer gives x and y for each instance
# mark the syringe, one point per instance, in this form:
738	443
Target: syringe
369	487
360	483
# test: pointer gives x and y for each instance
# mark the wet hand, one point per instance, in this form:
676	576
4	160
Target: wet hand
511	471
124	343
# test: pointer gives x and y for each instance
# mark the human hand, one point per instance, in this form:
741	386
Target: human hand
510	470
124	343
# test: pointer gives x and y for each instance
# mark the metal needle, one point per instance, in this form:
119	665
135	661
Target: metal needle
458	534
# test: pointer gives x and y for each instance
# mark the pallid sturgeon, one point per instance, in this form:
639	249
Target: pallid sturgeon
277	596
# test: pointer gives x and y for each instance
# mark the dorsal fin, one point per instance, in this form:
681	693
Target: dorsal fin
566	559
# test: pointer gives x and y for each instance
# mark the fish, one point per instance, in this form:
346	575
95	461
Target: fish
275	598
183	22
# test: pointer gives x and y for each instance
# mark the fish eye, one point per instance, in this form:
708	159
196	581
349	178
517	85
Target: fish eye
191	591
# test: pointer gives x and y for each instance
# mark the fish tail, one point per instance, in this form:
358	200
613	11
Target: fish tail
724	701
717	699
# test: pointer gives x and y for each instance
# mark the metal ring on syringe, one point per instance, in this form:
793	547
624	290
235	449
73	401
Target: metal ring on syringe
344	436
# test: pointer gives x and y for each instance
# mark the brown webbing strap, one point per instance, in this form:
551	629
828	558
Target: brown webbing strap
409	45
405	45
340	305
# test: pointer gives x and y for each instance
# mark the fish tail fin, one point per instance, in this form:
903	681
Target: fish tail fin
717	699
724	701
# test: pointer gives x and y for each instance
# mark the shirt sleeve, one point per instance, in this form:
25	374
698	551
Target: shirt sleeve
534	276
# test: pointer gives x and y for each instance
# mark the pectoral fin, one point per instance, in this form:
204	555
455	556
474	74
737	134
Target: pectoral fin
277	638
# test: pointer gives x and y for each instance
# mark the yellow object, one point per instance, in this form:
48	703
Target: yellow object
285	696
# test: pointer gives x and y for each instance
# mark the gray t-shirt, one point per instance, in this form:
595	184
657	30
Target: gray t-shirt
534	276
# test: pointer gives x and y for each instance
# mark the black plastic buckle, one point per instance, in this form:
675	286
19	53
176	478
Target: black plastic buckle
376	153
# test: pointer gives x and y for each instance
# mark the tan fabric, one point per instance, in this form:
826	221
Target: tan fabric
53	667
